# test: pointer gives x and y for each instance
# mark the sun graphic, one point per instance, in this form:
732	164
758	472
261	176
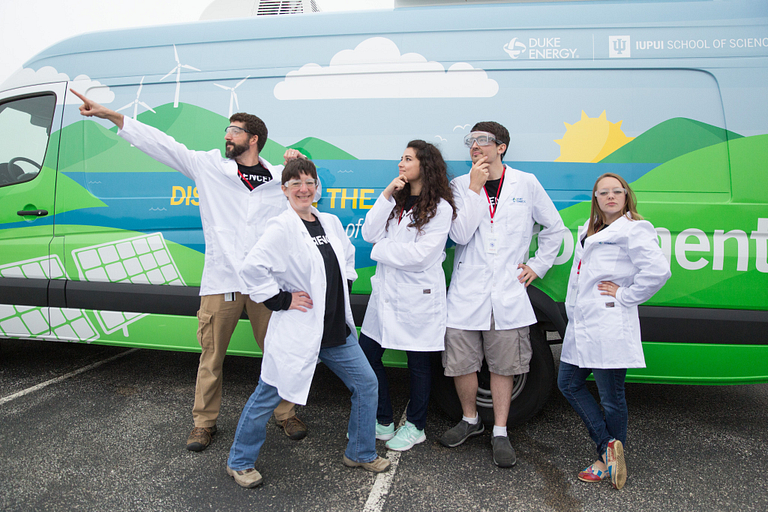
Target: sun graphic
590	139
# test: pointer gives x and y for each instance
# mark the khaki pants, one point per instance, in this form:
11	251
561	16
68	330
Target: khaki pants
217	320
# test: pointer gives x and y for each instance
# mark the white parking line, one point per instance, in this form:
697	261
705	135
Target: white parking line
380	489
64	377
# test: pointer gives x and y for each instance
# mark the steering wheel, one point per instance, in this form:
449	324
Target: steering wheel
12	169
15	159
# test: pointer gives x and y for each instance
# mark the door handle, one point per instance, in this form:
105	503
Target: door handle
36	213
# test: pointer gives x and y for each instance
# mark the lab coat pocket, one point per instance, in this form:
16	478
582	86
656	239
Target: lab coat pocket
604	322
417	304
469	281
516	220
605	257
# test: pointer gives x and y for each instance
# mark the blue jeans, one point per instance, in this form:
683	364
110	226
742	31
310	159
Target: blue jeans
420	371
608	423
349	364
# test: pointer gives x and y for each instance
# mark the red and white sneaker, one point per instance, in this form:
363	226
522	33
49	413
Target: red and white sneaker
592	474
614	459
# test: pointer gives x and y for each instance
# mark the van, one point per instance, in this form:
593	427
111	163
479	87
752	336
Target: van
101	244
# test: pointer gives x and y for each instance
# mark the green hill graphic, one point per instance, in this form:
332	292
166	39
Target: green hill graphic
668	140
197	128
317	149
704	171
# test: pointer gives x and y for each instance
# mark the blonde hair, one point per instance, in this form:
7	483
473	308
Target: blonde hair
596	217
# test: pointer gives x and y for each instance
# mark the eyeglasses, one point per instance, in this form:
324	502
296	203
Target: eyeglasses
482	139
605	191
235	130
295	184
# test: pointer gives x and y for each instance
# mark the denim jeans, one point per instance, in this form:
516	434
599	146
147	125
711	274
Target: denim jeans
420	372
608	423
349	363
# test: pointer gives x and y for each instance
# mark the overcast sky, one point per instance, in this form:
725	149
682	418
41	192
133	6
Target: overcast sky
28	27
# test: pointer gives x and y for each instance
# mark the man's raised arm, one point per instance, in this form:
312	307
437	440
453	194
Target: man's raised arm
90	108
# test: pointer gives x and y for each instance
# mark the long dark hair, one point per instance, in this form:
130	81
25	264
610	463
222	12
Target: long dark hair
434	186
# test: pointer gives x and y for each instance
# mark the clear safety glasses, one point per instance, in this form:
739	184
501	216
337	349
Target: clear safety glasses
603	192
235	130
296	184
482	139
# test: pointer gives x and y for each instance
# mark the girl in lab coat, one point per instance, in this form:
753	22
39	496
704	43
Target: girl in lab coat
300	269
408	226
618	265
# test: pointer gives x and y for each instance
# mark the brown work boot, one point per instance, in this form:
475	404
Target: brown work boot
378	465
200	438
294	428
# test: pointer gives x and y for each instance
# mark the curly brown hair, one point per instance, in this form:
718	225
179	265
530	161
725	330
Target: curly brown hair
434	186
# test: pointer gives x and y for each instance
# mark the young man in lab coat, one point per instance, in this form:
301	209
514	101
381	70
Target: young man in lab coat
238	194
488	308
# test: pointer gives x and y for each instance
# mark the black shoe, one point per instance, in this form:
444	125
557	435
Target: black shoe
461	432
503	453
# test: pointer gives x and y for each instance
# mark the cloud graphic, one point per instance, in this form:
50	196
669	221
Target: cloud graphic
47	74
92	89
376	69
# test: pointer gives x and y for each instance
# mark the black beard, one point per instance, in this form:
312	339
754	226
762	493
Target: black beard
234	151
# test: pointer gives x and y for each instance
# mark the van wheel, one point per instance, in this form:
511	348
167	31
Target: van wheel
529	394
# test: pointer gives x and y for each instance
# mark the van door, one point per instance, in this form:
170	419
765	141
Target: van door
30	120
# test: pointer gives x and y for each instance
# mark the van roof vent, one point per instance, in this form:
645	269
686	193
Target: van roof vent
223	9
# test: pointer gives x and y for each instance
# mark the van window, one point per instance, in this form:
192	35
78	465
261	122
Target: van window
25	125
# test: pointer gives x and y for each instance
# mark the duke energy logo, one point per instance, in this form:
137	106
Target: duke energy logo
514	48
618	47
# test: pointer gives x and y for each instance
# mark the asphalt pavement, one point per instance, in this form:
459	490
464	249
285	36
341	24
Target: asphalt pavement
87	427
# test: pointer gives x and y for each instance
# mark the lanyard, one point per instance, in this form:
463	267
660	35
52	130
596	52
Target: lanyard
248	183
492	208
401	214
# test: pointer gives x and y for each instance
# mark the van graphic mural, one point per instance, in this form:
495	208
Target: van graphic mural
88	220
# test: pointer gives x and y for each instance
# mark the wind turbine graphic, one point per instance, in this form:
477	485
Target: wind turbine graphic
233	94
177	69
137	102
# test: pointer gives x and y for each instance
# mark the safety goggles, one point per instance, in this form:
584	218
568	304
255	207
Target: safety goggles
603	192
296	184
482	139
235	130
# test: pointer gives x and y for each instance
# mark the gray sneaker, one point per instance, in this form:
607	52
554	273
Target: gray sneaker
461	432
503	453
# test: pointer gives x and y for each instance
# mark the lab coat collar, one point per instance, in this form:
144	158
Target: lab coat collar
510	178
608	232
230	171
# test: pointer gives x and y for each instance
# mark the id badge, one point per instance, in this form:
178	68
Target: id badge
491	244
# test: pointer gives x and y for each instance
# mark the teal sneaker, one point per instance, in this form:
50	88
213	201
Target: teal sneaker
405	437
385	432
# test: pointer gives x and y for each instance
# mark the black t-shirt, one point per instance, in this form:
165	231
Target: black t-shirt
492	189
254	175
409	202
335	329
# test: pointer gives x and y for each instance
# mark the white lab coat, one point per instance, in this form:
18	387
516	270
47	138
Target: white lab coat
603	331
286	258
483	282
406	310
232	216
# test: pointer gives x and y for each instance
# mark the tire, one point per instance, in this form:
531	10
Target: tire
529	394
